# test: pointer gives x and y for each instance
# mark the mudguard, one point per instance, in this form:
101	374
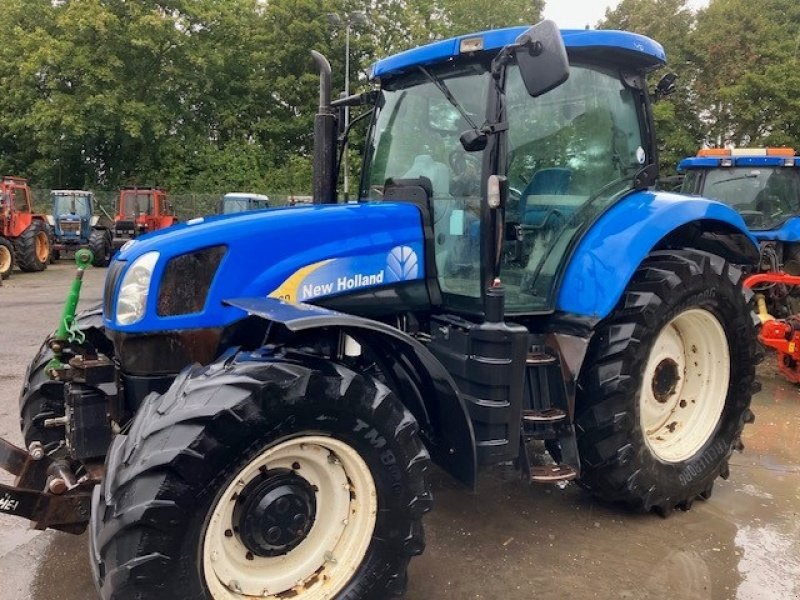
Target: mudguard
609	253
789	232
427	389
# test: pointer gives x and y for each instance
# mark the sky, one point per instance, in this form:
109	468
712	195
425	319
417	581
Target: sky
577	14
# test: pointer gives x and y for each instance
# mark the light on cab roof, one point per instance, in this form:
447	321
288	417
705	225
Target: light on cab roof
473	44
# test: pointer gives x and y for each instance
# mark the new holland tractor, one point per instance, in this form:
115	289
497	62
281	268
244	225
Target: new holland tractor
236	422
75	226
763	185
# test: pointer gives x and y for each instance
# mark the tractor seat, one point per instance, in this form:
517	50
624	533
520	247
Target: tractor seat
545	182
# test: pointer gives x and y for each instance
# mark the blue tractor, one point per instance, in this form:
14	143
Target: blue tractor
763	185
75	226
254	423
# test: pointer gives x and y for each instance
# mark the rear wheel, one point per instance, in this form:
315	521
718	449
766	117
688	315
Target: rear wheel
33	247
100	245
6	258
272	478
667	382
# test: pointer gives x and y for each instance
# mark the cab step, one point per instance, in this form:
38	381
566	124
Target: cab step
552	473
540	359
549	416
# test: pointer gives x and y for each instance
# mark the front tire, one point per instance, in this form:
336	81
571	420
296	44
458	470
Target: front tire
100	245
667	382
188	489
6	258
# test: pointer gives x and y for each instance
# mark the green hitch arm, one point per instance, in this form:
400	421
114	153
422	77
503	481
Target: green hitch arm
65	332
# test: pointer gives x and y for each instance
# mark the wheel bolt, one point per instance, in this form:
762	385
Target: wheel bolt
228	533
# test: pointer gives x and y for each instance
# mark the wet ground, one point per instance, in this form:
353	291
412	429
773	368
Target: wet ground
510	540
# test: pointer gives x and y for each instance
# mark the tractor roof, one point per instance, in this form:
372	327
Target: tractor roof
70	193
236	195
619	47
713	158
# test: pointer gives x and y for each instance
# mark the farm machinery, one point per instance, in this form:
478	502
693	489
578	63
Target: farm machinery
75	226
24	235
235	423
140	211
763	185
236	202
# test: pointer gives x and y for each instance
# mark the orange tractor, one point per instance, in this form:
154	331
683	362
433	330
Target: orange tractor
140	211
24	236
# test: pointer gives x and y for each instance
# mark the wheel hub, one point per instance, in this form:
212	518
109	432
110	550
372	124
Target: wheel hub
665	380
274	513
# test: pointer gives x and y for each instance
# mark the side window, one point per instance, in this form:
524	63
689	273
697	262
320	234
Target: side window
689	185
20	199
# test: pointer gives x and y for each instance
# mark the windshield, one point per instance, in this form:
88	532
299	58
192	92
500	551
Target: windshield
571	153
134	204
764	196
69	204
234	205
416	134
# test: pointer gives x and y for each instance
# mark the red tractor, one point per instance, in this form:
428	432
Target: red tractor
140	211
24	236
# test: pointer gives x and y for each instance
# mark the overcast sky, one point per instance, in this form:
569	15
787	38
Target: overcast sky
577	14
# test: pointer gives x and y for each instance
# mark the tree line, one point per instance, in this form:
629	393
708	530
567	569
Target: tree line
214	95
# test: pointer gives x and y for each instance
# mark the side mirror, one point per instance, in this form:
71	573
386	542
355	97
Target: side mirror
666	86
542	58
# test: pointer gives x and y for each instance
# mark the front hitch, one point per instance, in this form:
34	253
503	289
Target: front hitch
66	333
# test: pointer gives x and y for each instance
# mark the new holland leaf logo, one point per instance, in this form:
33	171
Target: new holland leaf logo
402	264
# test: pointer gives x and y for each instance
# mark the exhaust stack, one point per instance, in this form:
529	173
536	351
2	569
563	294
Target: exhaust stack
324	184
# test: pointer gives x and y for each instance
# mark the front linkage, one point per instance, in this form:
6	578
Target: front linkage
48	489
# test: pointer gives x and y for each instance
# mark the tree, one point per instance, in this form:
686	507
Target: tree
749	72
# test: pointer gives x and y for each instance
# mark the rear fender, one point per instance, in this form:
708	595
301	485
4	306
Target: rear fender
419	380
612	249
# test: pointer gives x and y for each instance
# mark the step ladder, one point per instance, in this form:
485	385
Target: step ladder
545	417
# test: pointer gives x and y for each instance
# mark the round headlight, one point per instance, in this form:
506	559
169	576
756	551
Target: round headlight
132	299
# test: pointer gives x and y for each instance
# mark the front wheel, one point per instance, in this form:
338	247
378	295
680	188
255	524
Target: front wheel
667	382
100	245
6	258
266	478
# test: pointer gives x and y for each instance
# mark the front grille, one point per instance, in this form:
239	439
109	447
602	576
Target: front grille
70	226
112	277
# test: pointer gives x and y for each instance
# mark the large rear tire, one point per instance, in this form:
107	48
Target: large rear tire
188	491
667	382
6	258
41	397
33	247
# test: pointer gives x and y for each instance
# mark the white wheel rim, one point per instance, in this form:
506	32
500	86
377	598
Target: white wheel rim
5	259
323	563
685	385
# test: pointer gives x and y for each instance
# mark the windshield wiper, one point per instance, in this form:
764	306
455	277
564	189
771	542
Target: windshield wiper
442	87
739	178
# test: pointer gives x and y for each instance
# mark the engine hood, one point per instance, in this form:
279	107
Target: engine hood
295	253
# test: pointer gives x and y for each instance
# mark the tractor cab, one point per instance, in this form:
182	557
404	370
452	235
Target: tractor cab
72	214
140	211
236	202
551	141
762	184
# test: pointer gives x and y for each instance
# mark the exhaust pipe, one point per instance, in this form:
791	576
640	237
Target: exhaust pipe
324	184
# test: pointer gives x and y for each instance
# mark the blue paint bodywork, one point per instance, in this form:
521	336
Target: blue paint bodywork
646	53
265	248
713	162
618	242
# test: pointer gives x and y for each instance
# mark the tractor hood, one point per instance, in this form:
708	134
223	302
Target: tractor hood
181	276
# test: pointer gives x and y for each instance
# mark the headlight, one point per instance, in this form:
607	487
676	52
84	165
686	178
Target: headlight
132	299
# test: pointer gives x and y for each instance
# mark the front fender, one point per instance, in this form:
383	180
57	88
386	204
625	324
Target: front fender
443	417
612	249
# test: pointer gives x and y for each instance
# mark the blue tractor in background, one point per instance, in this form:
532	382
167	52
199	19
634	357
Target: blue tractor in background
252	423
763	185
236	202
75	225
